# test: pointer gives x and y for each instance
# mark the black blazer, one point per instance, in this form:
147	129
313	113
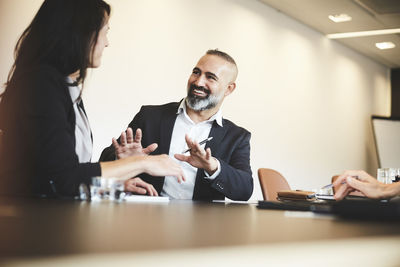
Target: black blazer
37	155
230	145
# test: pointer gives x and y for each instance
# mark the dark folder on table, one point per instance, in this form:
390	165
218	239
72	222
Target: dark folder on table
351	208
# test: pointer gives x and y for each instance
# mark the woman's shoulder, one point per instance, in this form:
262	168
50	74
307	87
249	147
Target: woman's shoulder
38	84
40	79
43	73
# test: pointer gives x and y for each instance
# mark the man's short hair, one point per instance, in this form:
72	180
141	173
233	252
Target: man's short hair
221	54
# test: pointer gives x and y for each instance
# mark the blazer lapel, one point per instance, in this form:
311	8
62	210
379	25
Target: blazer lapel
201	185
218	133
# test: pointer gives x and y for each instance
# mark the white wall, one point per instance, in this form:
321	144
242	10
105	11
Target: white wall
307	100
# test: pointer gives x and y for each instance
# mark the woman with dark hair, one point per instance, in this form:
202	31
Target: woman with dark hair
46	144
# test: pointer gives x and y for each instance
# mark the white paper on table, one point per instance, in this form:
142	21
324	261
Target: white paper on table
324	197
137	198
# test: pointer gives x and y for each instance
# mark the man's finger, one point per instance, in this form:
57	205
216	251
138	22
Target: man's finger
199	149
137	190
155	193
208	153
182	157
150	148
131	186
115	143
129	135
189	141
145	186
138	135
123	138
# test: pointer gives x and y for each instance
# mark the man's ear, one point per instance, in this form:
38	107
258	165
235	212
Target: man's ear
230	89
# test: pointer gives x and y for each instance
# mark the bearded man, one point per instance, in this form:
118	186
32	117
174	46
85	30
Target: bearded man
217	169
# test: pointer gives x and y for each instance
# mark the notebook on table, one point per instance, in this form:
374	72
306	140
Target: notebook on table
294	205
356	208
366	209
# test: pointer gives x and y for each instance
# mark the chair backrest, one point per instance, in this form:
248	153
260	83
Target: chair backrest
271	182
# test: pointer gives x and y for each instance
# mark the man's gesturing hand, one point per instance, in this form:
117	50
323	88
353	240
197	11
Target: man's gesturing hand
199	157
130	146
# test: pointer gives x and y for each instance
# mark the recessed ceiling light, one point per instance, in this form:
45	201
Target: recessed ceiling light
361	34
385	45
339	18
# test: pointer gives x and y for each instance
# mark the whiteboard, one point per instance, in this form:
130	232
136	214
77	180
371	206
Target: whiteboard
387	141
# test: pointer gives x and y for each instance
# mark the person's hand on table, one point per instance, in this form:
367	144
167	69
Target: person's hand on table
130	145
138	186
357	180
199	157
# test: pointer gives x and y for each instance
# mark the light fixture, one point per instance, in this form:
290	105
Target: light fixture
339	18
385	45
361	34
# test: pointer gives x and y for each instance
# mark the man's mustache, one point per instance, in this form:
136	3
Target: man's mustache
201	88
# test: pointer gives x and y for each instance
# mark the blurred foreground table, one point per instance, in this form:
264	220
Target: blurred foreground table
37	228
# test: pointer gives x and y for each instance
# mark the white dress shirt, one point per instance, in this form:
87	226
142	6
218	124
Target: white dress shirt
83	137
197	132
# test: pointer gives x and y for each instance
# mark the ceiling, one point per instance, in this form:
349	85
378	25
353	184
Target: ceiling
366	15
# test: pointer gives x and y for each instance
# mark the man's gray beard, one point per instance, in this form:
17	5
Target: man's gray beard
200	104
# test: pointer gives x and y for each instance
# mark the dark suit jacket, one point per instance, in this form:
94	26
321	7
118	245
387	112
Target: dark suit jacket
230	145
37	155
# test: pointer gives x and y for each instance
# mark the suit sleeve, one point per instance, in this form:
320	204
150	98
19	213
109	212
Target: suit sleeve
235	180
108	154
45	119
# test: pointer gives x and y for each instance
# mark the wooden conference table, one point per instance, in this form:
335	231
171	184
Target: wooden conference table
37	228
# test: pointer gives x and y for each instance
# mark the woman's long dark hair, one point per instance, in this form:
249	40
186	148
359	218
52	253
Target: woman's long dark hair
62	35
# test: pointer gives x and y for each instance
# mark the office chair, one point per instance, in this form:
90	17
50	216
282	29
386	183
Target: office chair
271	182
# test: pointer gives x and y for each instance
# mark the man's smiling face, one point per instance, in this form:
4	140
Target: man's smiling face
208	82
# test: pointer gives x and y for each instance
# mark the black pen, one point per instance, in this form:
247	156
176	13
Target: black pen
202	142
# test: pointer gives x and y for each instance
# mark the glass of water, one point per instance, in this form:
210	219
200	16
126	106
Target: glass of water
388	175
106	188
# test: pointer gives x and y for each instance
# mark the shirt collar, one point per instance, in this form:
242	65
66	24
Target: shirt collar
216	117
74	90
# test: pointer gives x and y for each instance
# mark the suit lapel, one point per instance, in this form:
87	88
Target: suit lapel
218	133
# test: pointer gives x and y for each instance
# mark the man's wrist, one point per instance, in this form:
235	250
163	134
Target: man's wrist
213	167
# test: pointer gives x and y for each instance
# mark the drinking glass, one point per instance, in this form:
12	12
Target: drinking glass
106	188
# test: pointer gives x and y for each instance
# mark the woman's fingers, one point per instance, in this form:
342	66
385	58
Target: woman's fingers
163	165
342	191
359	180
